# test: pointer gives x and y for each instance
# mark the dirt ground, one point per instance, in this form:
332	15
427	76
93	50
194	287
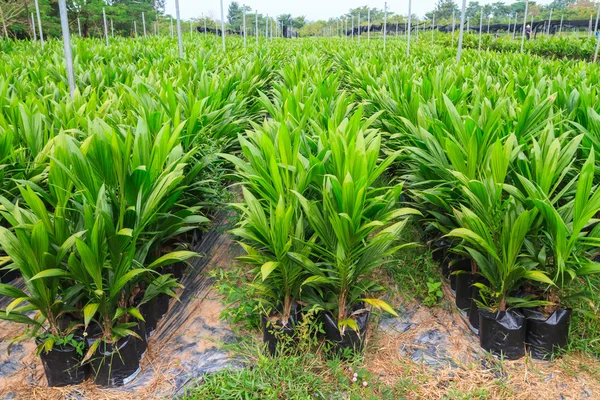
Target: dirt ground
433	354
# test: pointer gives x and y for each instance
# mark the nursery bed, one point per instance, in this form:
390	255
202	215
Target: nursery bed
184	347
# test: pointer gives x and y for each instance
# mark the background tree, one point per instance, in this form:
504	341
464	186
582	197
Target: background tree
443	12
473	9
376	13
234	15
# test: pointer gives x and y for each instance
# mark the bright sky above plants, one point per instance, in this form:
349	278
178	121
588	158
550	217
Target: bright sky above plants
312	9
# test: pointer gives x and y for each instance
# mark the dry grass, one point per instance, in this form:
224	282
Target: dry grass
472	373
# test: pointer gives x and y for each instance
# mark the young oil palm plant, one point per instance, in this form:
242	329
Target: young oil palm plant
124	188
39	244
567	239
357	224
494	229
272	227
33	247
564	228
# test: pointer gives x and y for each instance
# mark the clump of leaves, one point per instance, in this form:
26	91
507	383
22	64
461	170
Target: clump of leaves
49	341
434	293
242	307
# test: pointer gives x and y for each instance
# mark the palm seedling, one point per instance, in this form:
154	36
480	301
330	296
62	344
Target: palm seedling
357	225
120	192
39	244
272	226
494	230
567	238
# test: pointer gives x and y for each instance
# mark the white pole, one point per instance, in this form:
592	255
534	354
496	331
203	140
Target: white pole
359	28
177	15
590	25
597	16
561	23
244	26
515	27
33	25
480	28
432	28
369	26
37	10
461	31
468	25
78	26
384	24
172	33
352	34
550	19
204	26
453	25
105	26
256	27
222	26
409	23
144	23
64	22
135	28
524	23
597	46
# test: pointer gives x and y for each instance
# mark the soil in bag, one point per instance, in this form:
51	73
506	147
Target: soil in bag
464	282
474	308
275	332
447	264
162	305
351	339
546	336
197	235
458	265
115	364
502	333
62	365
148	311
141	345
178	270
439	250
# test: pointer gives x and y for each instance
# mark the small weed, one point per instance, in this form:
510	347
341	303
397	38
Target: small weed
412	272
456	394
434	293
242	309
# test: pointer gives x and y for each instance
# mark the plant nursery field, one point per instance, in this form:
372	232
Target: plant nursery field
300	219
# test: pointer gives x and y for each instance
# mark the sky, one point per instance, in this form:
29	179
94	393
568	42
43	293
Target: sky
312	9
